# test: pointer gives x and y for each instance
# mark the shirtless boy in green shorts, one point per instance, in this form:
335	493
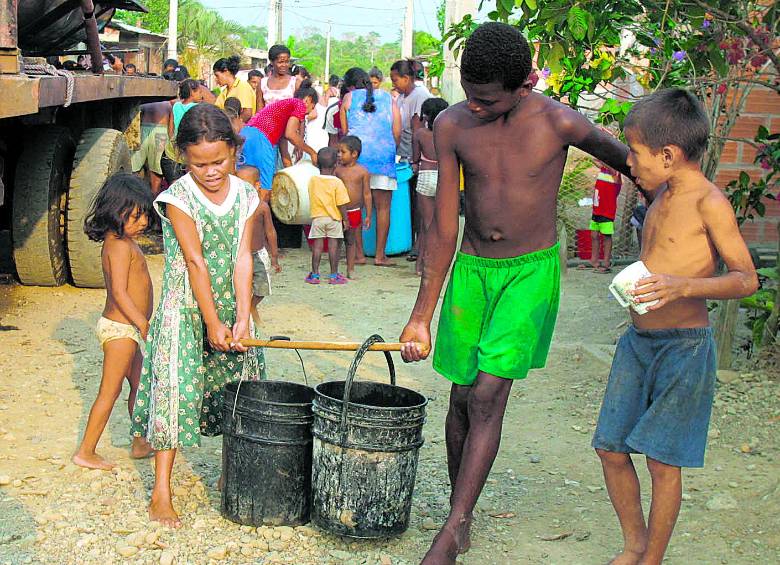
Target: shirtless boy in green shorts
499	311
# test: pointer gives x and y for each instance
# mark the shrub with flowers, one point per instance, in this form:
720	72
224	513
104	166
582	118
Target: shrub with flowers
720	49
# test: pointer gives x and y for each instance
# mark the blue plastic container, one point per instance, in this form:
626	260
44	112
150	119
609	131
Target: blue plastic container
399	239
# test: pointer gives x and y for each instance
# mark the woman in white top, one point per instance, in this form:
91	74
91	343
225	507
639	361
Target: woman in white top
279	84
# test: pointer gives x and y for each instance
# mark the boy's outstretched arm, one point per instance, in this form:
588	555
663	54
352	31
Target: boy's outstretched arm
440	243
741	279
575	129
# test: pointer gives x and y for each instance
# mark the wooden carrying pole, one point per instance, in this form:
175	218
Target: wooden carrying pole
320	345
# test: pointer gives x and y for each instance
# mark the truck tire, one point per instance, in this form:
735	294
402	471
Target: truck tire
100	153
40	187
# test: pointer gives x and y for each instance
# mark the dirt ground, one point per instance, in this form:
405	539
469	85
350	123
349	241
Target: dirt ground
544	502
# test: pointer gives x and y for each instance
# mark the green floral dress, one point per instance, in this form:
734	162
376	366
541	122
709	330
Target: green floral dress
180	393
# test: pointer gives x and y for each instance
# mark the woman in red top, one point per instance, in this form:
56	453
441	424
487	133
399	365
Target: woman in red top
277	121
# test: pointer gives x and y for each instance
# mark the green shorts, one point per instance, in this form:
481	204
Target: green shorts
498	316
605	228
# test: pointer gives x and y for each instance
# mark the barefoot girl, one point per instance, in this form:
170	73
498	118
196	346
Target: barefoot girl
120	213
208	217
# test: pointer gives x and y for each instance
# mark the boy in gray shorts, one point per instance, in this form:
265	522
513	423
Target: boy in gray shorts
265	249
659	395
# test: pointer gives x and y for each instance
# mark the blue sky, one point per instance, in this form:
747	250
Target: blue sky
348	16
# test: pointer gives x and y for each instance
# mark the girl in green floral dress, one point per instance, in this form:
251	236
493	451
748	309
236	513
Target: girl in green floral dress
207	218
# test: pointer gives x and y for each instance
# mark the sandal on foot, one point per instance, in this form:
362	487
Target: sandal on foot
412	256
313	278
337	278
603	270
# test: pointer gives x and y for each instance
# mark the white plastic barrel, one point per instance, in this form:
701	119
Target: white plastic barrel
290	194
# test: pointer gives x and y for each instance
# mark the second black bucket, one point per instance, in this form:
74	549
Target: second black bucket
267	453
366	441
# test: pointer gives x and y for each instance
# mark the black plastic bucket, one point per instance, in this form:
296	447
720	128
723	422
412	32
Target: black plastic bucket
367	438
267	453
289	236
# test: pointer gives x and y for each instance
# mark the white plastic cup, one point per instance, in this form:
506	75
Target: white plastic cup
627	280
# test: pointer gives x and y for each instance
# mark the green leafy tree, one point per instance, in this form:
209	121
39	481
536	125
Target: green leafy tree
202	32
254	37
156	19
718	48
350	50
425	44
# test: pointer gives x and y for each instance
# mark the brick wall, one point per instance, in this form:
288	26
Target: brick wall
762	108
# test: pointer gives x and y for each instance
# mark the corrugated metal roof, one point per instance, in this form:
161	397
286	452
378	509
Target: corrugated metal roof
133	29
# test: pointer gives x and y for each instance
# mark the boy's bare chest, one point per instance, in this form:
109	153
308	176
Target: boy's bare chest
675	241
515	151
349	175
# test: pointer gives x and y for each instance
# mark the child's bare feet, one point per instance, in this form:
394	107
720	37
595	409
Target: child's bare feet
161	510
383	262
92	461
140	449
626	557
448	543
360	261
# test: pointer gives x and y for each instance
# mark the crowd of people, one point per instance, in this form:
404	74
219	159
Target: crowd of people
501	303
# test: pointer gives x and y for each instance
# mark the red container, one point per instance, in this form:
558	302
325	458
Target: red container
585	247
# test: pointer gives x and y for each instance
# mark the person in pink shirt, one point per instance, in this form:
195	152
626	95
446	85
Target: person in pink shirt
276	121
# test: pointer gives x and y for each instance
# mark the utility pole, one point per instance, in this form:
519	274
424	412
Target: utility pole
407	37
454	12
173	25
275	11
327	54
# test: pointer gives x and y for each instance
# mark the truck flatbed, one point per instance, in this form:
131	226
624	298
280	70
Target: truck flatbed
25	95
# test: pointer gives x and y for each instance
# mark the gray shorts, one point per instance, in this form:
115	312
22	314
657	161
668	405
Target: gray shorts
261	273
325	227
659	395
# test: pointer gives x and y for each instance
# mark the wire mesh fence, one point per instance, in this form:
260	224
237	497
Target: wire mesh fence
575	208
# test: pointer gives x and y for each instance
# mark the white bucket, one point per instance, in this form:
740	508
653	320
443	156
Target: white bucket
627	280
290	193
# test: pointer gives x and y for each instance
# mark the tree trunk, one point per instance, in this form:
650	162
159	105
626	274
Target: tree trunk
725	329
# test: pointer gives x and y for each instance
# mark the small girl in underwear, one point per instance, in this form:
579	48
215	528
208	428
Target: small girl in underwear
119	214
426	165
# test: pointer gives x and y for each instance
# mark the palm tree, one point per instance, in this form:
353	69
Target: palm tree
205	35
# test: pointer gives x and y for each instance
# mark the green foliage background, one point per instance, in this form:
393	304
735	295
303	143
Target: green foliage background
213	36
